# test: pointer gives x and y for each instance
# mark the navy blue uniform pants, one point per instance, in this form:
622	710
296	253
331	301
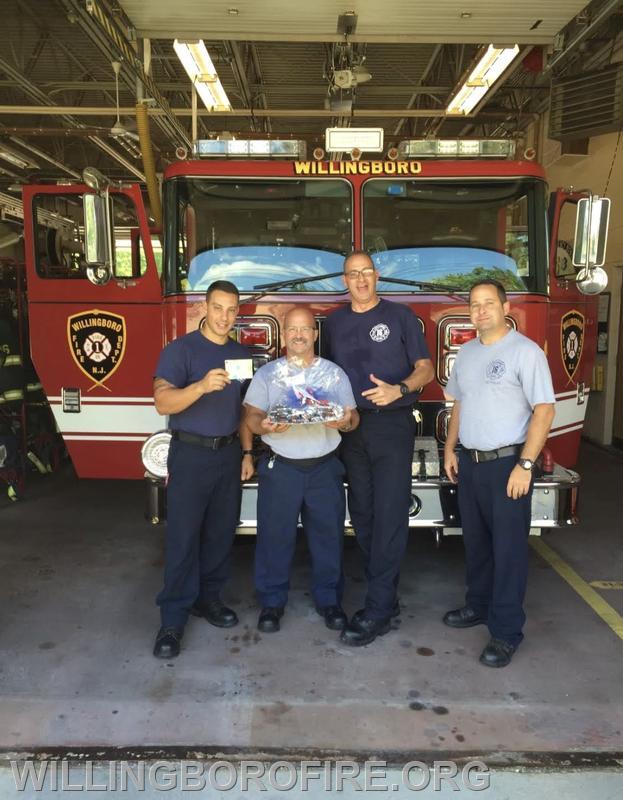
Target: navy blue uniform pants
203	506
317	494
495	533
378	457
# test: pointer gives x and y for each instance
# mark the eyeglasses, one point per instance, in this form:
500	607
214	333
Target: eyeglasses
355	274
300	329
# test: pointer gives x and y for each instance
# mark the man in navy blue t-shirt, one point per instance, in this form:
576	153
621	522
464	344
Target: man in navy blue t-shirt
381	348
205	467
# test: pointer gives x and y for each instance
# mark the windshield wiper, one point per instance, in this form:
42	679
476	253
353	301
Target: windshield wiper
293	281
435	287
265	288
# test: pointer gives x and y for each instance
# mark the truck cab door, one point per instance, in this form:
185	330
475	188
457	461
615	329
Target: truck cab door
571	332
94	347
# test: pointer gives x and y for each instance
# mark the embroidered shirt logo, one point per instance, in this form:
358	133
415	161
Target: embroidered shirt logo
380	332
495	370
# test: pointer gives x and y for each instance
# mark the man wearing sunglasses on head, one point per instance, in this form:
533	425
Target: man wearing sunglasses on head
380	346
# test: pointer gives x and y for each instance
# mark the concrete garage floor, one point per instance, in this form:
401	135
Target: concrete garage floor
78	577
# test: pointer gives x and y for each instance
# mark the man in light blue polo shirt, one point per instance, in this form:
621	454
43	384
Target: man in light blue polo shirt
503	409
303	475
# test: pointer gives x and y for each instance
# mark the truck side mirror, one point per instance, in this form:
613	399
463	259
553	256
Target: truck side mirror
99	274
98	237
589	248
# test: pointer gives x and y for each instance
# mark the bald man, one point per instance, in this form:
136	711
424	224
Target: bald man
302	474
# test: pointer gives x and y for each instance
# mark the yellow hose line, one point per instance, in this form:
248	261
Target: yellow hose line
153	190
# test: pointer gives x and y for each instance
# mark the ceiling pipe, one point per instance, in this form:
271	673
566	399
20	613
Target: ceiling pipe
47	132
44	156
54	87
118	157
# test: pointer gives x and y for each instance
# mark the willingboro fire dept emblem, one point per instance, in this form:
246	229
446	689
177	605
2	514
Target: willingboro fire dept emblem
97	343
572	340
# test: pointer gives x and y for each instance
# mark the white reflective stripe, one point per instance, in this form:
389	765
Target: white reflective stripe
84	398
74	437
118	419
573	393
565	430
568	412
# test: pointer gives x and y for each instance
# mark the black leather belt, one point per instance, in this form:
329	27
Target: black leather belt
491	455
305	462
384	409
213	442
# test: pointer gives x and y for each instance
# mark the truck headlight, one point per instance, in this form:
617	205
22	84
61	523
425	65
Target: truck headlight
155	452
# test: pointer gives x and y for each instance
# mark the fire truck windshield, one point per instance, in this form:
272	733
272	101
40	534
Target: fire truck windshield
252	231
451	233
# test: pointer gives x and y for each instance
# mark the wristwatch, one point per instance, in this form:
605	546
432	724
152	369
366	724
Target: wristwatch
404	389
526	463
247	452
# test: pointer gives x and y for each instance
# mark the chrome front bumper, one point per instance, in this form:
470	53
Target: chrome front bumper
434	503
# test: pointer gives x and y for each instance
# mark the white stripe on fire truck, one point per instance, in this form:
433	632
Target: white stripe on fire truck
92	438
138	415
562	431
95	400
573	393
122	418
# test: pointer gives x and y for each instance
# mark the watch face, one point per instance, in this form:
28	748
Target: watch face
526	463
404	389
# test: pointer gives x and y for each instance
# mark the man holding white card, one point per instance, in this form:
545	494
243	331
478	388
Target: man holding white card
303	475
197	384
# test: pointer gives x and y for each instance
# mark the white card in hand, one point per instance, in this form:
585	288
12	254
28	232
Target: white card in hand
239	369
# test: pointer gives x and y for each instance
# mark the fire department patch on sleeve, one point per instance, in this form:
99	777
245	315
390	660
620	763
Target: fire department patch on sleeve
572	340
97	343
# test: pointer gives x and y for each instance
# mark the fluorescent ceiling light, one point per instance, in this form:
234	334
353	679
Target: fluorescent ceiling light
492	64
200	69
14	157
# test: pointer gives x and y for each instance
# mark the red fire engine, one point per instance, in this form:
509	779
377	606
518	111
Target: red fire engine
106	291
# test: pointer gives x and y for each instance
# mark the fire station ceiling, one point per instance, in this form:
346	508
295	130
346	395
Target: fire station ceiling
405	21
278	63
